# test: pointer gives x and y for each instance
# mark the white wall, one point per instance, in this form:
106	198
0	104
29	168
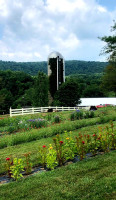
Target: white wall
97	101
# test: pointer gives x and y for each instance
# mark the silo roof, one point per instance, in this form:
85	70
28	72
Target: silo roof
55	54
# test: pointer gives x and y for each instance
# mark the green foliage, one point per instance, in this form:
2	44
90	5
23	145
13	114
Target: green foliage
41	90
8	164
110	47
109	79
42	155
71	66
13	86
56	119
27	163
31	135
51	161
69	147
59	150
68	93
76	115
17	168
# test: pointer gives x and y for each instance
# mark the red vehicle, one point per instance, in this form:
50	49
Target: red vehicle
103	105
100	106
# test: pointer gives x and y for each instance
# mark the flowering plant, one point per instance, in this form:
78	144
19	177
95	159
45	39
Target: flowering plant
8	164
69	147
17	168
42	155
81	147
59	149
27	163
51	159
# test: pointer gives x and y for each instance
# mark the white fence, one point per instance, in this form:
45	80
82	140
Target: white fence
24	111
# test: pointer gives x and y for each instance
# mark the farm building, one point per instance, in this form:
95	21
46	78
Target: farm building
97	101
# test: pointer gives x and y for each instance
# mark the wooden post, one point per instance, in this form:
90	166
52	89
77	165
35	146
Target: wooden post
22	111
10	112
32	110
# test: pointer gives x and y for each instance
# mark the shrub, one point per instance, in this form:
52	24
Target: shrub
56	119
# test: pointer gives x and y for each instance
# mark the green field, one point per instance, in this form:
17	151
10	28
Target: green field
90	178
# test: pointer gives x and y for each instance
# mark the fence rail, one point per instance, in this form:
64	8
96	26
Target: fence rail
24	111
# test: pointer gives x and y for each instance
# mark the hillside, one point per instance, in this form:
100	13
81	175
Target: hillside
72	67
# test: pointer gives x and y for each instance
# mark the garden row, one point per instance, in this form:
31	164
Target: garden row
59	128
13	125
64	149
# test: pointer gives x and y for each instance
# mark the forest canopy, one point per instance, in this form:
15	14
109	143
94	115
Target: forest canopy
71	67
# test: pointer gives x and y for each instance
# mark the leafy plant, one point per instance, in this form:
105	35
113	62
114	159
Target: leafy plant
8	164
27	163
42	155
59	149
56	119
69	147
17	168
51	160
81	147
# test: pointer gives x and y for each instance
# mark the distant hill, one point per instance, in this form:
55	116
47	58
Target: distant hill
71	67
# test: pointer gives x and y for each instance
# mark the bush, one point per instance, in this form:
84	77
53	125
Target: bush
56	119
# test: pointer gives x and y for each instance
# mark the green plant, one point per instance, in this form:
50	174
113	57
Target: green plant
17	168
37	123
56	119
27	163
69	147
8	164
81	147
72	116
59	149
91	114
51	160
42	155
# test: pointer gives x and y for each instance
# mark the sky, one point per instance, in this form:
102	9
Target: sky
31	29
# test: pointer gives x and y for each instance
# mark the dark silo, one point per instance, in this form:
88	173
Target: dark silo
56	71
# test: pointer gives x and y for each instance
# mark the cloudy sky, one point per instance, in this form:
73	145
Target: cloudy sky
31	29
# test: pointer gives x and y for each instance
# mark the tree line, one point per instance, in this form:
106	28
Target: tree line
18	89
71	66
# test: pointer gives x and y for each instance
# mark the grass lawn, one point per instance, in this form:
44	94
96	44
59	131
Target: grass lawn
94	178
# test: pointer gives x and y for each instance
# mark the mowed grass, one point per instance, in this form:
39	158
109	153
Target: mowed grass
93	179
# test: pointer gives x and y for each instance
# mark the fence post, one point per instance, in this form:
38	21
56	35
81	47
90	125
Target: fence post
22	111
56	108
62	108
68	108
41	109
32	110
10	112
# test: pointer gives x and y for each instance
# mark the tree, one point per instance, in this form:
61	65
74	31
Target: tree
41	90
68	94
109	77
110	47
92	90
